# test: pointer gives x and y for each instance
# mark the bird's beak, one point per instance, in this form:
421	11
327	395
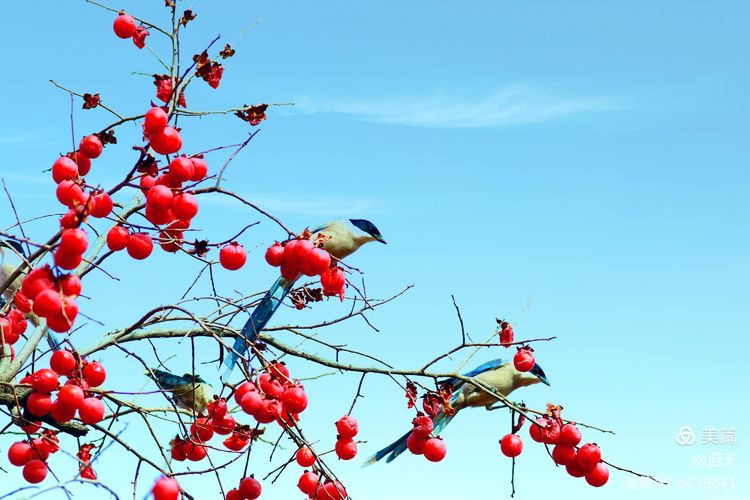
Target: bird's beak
544	380
381	240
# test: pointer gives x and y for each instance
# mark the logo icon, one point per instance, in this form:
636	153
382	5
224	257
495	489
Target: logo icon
685	436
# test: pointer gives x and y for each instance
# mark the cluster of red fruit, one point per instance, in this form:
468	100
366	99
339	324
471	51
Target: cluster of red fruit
49	296
419	441
584	461
274	396
302	256
219	421
347	428
68	172
125	27
12	326
73	396
32	455
248	489
309	481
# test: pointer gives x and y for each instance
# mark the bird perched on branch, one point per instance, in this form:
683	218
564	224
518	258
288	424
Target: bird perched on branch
12	255
342	238
188	392
500	376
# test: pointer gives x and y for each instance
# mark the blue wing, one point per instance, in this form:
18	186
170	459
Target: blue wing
484	367
258	320
168	381
440	421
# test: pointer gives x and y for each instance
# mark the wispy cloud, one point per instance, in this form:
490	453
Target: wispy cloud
512	105
319	206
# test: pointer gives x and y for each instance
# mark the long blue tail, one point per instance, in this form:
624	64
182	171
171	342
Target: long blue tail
397	447
258	320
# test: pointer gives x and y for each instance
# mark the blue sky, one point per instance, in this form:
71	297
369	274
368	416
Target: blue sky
579	169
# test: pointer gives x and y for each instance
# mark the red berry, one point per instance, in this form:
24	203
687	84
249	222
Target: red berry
82	161
243	389
35	471
103	206
177	451
91	146
511	445
200	169
308	482
195	452
551	433
270	386
31	427
22	302
318	260
279	370
61	412
10	337
40	449
94	373
331	491
298	253
347	427
506	336
71	396
166	142
269	411
289	271
91	411
124	26
423	426
588	456
563	454
275	255
117	238
63	362
251	402
73	241
574	469
294	400
435	450
232	256
223	425
69	193
47	303
64	168
39	403
140	246
185	206
250	488
67	261
181	169
155	120
166	488
305	457
201	430
598	476
159	217
333	280
19	453
233	494
147	182
569	435
44	380
70	285
524	359
415	443
346	448
159	198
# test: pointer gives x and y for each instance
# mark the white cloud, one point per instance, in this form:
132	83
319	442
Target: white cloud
512	105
